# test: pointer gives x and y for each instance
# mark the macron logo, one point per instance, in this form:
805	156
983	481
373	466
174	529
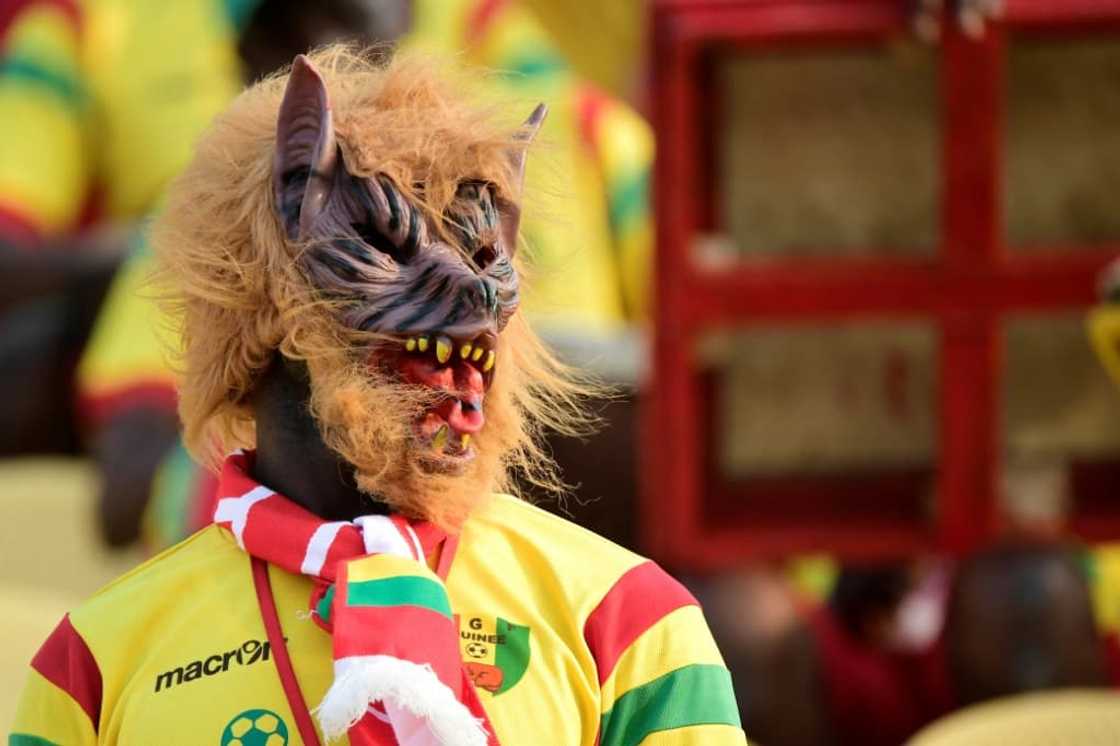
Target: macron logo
248	653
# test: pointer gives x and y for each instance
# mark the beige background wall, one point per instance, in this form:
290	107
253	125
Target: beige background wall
49	559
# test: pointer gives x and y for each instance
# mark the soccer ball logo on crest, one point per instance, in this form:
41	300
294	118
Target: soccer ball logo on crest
256	728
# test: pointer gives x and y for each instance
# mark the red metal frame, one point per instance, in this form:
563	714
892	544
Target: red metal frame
693	519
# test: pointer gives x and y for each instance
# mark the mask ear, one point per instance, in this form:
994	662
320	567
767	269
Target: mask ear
511	210
306	152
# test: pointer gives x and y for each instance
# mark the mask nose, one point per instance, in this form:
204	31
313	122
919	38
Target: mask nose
480	293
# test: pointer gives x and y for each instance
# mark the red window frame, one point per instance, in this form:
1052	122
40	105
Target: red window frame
693	518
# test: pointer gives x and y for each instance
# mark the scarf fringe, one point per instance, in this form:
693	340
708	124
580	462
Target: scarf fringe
405	685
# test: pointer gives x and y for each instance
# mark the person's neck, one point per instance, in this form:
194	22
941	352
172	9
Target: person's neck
291	456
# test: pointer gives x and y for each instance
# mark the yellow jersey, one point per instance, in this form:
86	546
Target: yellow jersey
569	640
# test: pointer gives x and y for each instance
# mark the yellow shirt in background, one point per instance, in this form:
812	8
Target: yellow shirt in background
587	218
103	101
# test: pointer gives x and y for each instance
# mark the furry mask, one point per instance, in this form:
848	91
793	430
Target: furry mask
364	219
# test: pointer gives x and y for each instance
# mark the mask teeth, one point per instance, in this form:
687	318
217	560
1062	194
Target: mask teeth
443	348
439	441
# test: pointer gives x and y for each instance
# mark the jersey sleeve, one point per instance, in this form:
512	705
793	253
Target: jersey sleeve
623	147
662	679
44	164
61	703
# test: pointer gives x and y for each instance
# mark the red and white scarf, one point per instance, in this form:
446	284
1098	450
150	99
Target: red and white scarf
398	675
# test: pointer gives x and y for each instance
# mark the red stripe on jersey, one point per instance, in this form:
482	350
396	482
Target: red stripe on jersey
637	601
19	228
96	409
592	102
66	661
480	19
9	11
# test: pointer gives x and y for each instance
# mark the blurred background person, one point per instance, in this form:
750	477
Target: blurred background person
106	99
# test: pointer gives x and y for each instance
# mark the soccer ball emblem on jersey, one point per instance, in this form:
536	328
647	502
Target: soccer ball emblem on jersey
255	728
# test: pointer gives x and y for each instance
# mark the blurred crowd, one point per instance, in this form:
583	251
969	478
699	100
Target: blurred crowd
107	99
103	100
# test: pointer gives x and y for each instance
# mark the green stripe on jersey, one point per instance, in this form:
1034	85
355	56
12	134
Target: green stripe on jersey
23	739
407	590
628	200
538	66
27	71
699	694
239	12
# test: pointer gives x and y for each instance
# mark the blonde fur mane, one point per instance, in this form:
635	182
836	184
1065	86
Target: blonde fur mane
237	294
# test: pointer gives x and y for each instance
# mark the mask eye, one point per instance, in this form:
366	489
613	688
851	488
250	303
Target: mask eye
373	237
484	256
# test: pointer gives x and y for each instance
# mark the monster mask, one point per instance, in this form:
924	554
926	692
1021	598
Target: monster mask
437	289
370	230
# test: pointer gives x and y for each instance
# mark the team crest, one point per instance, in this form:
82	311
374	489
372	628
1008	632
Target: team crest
495	652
